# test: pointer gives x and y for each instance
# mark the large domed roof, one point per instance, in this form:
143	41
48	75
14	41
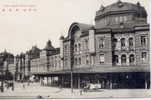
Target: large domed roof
121	7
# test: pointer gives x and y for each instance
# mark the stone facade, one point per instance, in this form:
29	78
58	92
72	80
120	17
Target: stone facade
117	46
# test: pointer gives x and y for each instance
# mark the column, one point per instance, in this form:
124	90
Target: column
119	59
47	80
79	82
145	84
110	84
62	81
127	43
41	81
127	60
118	46
51	80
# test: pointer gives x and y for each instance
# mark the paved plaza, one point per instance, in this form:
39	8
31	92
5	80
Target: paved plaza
34	90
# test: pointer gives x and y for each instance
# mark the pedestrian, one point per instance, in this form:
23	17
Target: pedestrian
12	86
28	82
23	85
81	91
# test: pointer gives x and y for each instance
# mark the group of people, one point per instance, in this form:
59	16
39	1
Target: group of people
9	84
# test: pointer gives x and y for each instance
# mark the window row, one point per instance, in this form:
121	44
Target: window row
123	43
77	61
131	59
123	59
115	19
78	47
120	19
88	60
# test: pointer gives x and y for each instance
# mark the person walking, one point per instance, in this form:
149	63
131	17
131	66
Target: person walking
23	85
12	85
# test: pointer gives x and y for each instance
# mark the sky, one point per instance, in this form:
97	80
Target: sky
47	19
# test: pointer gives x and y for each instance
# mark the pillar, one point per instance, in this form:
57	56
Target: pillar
119	59
118	46
62	81
40	81
110	84
47	80
127	60
127	43
51	80
110	81
146	84
79	82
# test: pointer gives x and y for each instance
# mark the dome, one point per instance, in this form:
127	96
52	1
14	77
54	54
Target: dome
122	7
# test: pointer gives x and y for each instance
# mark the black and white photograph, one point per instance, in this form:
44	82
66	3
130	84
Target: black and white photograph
63	49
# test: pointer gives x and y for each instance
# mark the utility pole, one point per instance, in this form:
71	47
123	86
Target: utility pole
72	61
71	81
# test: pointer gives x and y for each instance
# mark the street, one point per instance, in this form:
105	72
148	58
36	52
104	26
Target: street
34	90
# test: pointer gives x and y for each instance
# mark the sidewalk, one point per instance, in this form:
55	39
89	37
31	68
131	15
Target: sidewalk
35	90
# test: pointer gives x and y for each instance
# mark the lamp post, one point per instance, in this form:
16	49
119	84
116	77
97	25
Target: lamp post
72	62
71	74
71	82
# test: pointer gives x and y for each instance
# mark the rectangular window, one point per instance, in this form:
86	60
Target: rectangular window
101	42
143	40
144	56
75	48
121	19
102	58
125	18
75	61
79	45
79	61
87	59
123	43
86	44
116	19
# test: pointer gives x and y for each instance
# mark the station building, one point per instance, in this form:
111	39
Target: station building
114	52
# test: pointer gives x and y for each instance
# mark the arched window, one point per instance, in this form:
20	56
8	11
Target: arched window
75	61
114	43
123	42
102	58
144	56
131	59
79	46
115	59
143	40
101	42
123	59
79	61
75	48
86	44
130	42
87	59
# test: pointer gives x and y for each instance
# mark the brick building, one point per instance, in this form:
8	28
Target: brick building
114	52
